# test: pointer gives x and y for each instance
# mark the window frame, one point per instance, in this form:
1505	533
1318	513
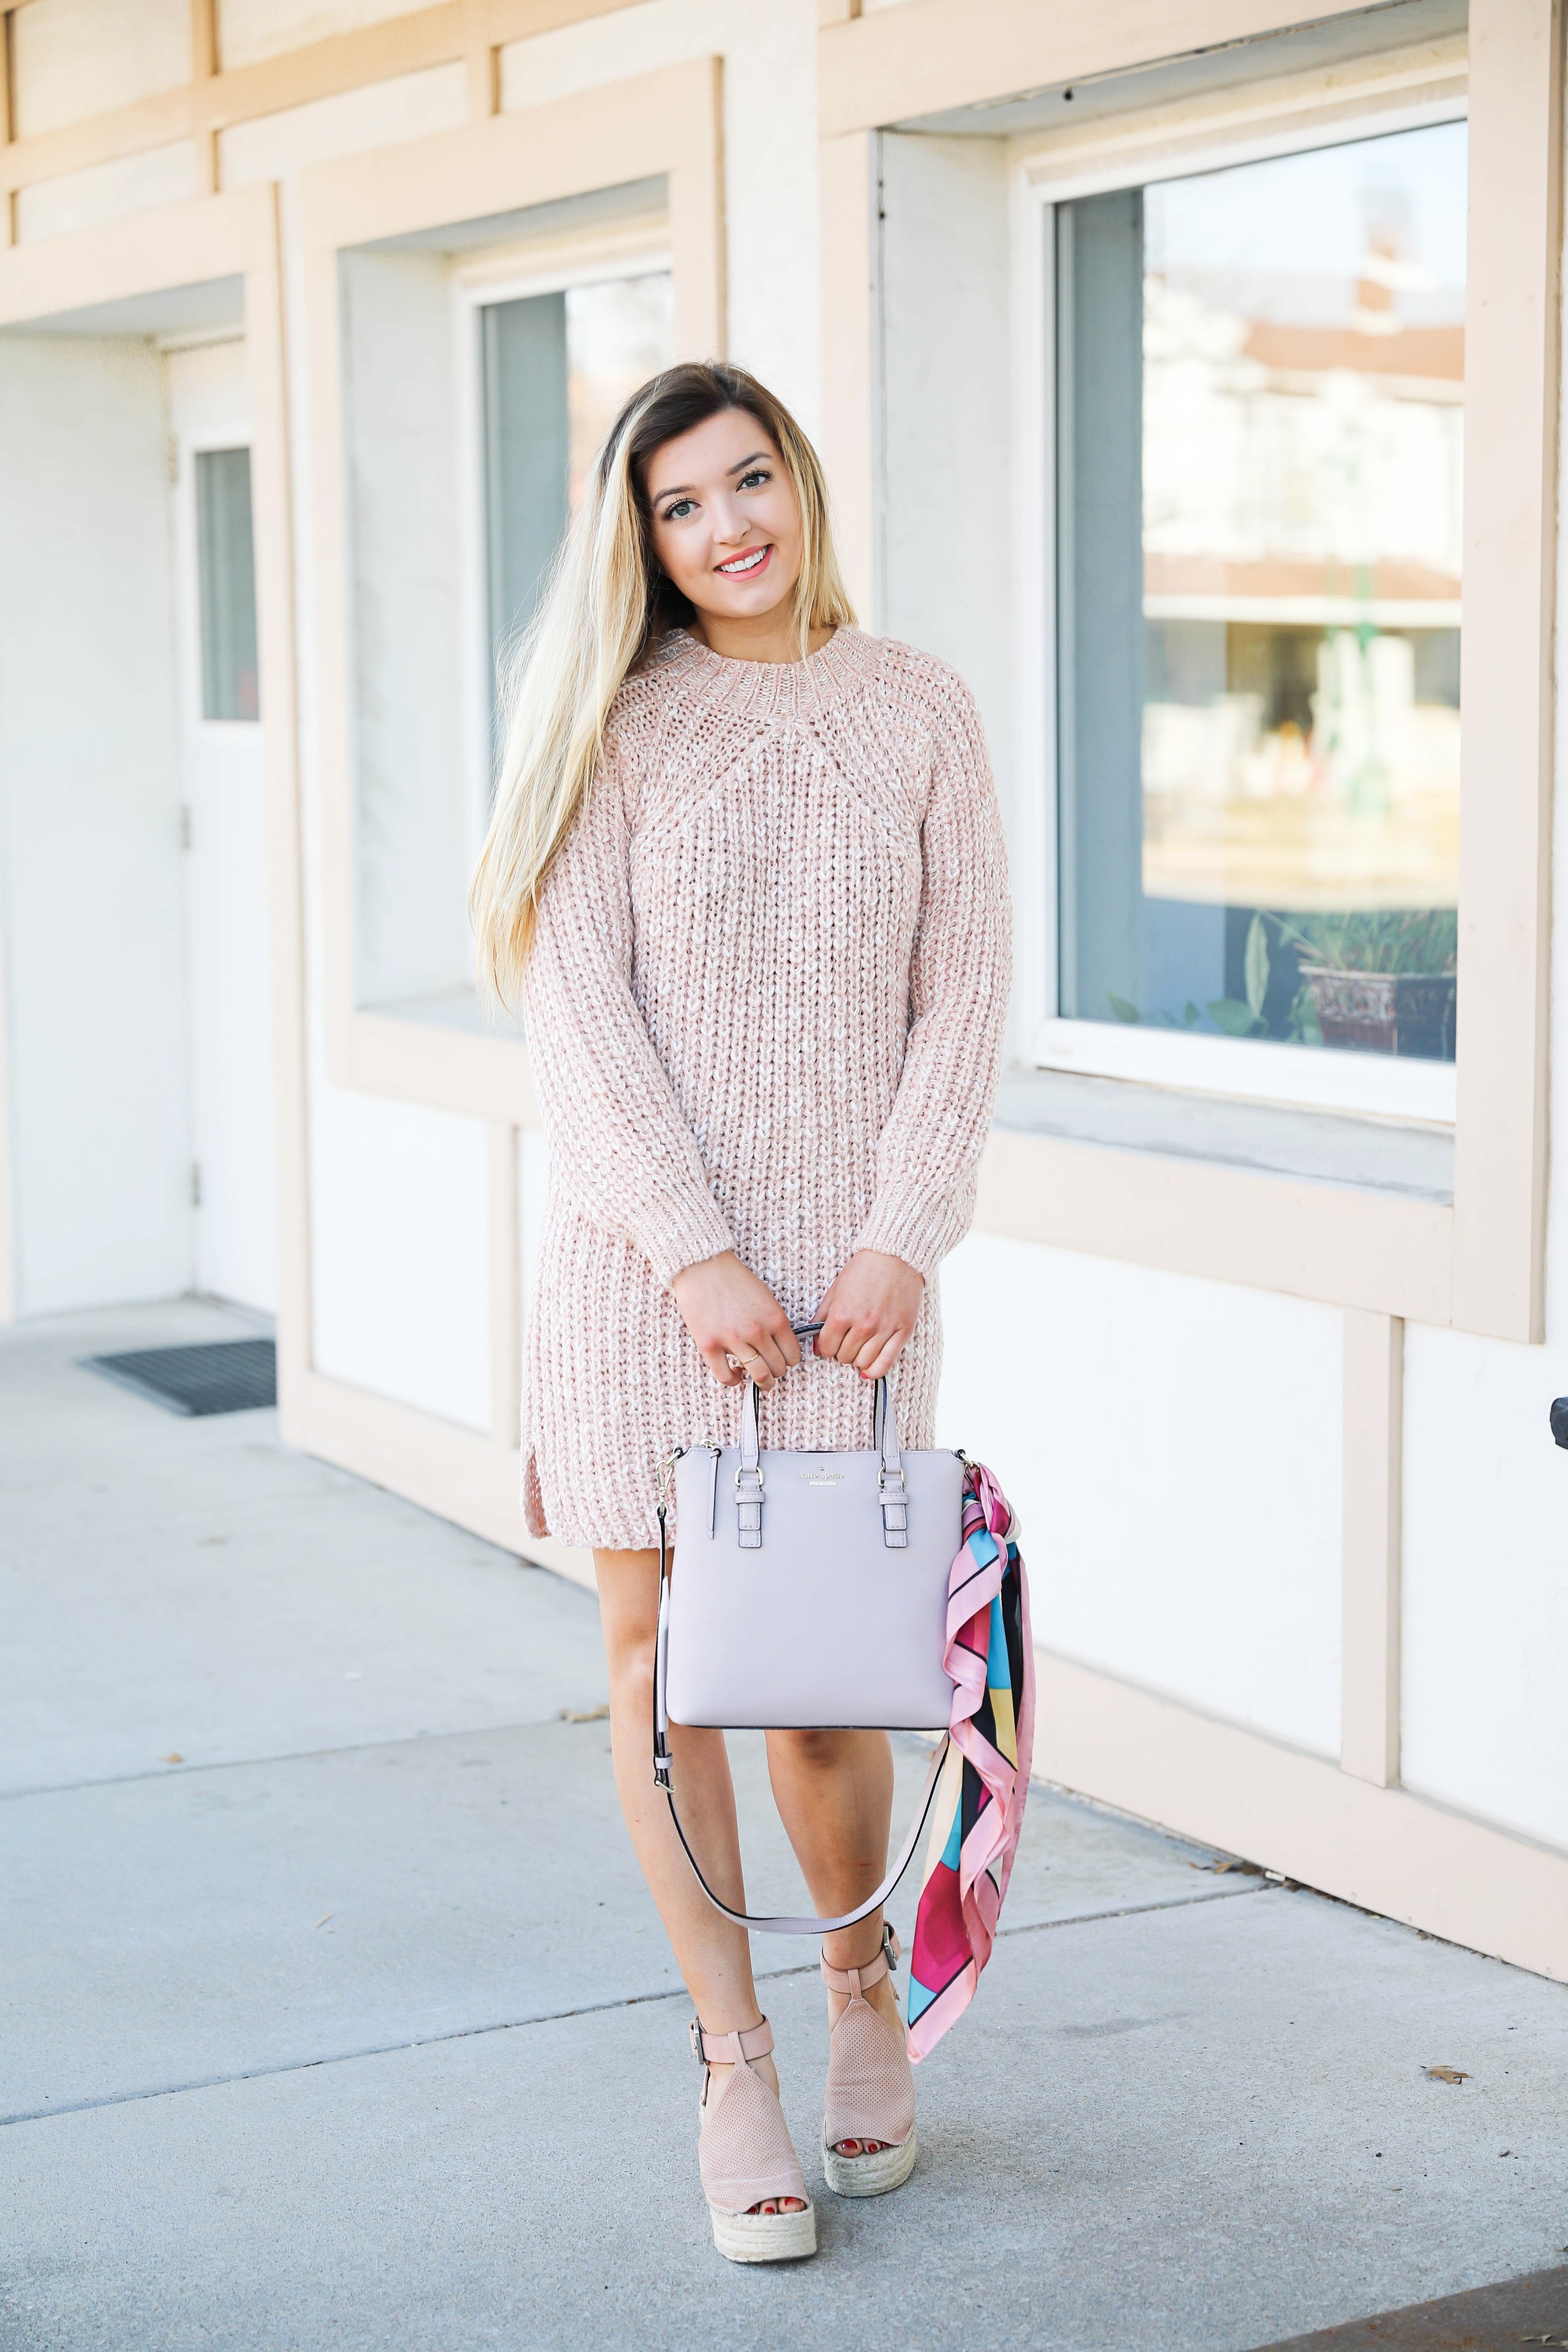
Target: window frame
666	123
509	276
1258	1070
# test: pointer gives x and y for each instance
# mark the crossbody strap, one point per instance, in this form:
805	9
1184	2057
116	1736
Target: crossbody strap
780	1923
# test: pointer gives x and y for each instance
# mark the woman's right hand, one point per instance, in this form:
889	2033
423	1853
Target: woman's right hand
729	1312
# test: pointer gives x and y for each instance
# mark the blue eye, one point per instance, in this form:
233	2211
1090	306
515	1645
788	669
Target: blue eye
755	478
681	506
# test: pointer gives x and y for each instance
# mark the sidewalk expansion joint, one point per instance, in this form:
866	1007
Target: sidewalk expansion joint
561	2016
283	1756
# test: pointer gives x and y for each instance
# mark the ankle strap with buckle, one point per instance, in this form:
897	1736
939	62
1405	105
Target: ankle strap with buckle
730	2049
854	1982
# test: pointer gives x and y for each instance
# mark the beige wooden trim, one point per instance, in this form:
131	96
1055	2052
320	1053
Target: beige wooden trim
1326	1242
451	1070
1384	1849
1369	1609
667	123
266	353
505	1283
1512	357
928	56
178	245
203	65
480	57
442	35
7	122
847	185
184	245
455	1471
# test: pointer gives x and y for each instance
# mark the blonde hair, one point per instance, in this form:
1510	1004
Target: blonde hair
606	606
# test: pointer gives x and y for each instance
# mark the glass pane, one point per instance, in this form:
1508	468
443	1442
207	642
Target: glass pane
225	583
1260	400
557	369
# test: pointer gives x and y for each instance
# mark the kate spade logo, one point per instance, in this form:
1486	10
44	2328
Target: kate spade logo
822	1477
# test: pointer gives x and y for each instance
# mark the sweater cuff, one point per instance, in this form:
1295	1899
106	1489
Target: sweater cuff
918	1226
676	1235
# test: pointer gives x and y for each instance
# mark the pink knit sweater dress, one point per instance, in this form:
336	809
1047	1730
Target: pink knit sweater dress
765	1011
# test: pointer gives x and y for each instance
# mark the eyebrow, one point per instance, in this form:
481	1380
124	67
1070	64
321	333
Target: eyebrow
684	489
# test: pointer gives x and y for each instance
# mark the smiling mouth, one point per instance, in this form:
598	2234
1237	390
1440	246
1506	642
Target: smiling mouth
741	567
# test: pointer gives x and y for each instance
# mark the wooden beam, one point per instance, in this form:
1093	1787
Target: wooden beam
928	56
203	65
1370	1613
8	121
1512	357
479	54
450	32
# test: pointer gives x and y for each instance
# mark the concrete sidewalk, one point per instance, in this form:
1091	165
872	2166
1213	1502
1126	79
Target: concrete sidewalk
336	2016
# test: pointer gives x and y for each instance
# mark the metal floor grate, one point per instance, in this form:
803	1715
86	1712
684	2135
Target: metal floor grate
224	1376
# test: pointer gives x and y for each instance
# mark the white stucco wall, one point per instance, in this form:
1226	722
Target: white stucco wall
1174	1449
90	787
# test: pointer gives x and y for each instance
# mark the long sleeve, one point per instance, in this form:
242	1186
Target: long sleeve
958	981
619	1145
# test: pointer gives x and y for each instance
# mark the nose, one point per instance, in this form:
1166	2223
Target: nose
730	523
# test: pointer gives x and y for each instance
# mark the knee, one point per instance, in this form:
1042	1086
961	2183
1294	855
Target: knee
812	1751
629	1647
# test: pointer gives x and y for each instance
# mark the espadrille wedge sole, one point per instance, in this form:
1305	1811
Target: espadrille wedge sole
871	2086
746	2156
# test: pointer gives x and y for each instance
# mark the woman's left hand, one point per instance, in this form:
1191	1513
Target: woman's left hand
871	1313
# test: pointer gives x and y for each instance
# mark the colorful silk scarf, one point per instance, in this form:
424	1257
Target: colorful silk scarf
979	1805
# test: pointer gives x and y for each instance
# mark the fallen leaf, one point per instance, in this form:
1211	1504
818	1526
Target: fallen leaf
589	1715
324	1919
1445	2075
174	1757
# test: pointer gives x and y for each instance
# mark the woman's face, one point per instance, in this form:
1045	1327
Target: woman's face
726	520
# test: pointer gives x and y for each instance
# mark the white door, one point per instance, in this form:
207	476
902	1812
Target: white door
233	1186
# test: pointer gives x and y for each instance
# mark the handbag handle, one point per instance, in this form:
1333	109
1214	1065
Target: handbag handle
890	1488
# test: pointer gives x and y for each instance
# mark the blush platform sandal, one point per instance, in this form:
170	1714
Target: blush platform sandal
745	2154
870	2085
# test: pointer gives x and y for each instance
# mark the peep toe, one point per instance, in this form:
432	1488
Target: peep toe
870	2085
745	2154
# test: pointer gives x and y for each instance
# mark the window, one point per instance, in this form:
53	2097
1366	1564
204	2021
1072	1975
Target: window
226	576
1260	402
557	369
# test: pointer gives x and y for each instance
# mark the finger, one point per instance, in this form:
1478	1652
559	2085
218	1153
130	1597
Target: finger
856	1335
785	1335
770	1348
834	1326
867	1355
887	1357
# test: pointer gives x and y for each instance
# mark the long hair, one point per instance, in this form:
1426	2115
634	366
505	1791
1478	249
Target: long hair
604	608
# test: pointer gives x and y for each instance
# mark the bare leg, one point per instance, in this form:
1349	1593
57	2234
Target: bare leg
714	1958
834	1794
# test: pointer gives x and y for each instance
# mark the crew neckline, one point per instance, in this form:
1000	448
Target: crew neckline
834	669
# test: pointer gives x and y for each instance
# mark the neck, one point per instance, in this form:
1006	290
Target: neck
769	637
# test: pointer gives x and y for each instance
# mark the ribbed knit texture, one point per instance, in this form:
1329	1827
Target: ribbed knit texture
765	1012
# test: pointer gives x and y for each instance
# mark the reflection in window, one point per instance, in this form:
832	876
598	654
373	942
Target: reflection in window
1260	404
557	370
225	579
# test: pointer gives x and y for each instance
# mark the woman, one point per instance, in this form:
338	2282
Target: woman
746	874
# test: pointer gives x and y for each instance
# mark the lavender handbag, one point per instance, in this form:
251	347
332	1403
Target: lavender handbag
812	1593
